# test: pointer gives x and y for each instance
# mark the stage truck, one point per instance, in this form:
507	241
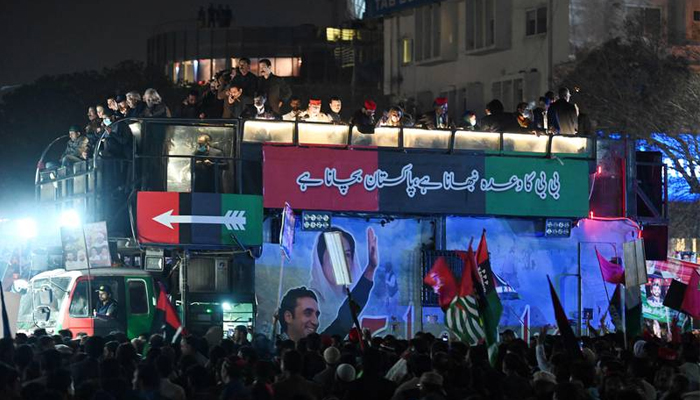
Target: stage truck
197	205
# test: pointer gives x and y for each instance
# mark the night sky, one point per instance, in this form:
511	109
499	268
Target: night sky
40	37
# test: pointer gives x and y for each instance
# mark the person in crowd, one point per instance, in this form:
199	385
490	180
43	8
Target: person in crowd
523	115
335	105
260	109
155	108
274	88
562	115
292	384
313	112
326	378
123	108
438	118
208	171
394	118
136	105
77	147
246	80
296	112
234	107
364	117
497	120
240	336
94	121
468	122
211	106
539	114
189	108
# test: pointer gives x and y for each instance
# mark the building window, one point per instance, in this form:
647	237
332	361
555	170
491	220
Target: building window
509	92
406	51
480	24
427	32
696	16
536	21
644	21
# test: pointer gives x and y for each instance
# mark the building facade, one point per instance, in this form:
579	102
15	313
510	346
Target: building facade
472	51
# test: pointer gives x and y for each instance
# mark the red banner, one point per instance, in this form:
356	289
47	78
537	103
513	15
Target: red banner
283	166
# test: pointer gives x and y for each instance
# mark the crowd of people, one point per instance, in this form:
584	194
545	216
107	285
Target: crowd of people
240	93
317	367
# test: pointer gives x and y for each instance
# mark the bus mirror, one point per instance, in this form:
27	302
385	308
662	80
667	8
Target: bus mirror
42	313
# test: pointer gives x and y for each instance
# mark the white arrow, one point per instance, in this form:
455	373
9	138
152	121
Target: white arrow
233	220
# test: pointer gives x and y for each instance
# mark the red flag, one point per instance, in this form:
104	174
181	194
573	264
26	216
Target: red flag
166	315
691	299
613	273
570	342
469	272
525	325
442	281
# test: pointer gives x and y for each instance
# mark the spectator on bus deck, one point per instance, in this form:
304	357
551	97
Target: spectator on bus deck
523	115
234	107
136	106
497	120
260	109
438	117
274	88
563	115
296	111
313	112
76	148
468	122
394	117
211	106
364	117
112	104
335	105
539	114
155	108
94	121
246	80
122	107
189	108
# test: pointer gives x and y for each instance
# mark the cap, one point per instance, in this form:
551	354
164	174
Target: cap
74	128
120	98
314	102
544	376
431	378
104	288
441	101
346	372
370	105
331	355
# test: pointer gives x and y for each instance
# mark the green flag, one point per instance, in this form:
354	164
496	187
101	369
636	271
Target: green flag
491	308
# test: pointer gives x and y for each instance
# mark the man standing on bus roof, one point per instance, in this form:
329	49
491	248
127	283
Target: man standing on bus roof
107	307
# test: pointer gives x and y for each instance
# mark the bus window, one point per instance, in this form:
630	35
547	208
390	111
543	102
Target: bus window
79	302
138	300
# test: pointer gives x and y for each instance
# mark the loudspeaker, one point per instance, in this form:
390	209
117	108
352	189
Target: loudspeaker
651	182
655	242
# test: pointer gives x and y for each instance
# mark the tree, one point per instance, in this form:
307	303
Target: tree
645	90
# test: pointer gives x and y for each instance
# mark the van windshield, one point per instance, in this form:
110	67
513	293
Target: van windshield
40	305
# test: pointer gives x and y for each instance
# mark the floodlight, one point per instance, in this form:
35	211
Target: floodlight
226	306
334	244
69	219
27	228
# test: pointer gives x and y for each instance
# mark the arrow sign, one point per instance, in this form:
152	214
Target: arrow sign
233	220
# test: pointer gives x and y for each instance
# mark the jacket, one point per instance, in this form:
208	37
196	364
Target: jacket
563	117
500	122
233	110
157	111
76	147
276	90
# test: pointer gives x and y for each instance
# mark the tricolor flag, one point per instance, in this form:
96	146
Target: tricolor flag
166	319
490	309
615	308
462	317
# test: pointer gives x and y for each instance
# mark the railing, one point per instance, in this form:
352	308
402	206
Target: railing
404	138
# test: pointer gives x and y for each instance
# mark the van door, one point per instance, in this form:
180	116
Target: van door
140	306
